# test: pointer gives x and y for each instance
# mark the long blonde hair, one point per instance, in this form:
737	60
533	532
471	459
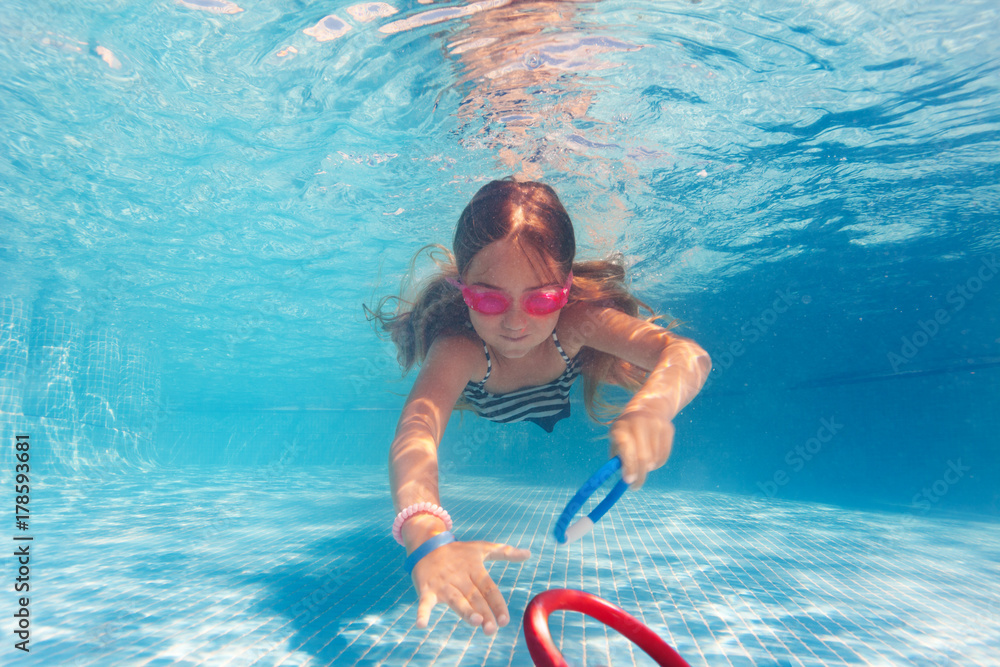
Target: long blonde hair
531	215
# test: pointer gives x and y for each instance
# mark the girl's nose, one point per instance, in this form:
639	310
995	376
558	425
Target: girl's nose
515	319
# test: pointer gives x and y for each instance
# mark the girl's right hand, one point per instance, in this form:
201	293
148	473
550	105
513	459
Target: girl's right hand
454	575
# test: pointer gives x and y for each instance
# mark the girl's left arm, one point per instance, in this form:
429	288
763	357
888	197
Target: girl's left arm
678	367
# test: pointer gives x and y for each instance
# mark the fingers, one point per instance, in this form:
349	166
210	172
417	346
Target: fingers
508	553
427	601
477	603
469	604
641	447
632	451
455	599
637	477
470	593
483	614
497	605
490	591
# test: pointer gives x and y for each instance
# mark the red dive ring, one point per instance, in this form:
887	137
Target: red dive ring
544	652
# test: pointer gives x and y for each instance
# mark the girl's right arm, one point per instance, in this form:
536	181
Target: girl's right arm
453	574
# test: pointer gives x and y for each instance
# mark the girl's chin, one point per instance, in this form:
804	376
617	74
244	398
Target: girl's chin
513	347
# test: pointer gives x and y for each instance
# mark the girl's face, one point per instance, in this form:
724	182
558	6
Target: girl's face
503	266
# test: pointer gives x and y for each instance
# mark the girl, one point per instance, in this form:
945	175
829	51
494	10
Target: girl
504	330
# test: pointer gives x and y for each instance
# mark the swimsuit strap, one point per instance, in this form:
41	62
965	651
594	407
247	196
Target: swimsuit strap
489	362
565	357
489	365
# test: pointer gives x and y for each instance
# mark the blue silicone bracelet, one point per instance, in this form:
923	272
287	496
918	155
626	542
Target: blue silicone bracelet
430	545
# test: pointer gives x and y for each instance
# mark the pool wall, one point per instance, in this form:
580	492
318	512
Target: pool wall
90	397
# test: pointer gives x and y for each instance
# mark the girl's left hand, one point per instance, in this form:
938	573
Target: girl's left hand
643	438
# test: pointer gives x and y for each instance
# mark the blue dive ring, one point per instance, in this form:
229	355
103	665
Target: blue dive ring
584	526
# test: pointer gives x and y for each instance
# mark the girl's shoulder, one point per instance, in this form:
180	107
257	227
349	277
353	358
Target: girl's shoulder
462	353
577	323
606	329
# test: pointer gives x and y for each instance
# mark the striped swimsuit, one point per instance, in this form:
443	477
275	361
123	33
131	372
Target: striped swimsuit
544	405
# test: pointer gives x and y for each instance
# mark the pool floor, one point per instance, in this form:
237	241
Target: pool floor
297	567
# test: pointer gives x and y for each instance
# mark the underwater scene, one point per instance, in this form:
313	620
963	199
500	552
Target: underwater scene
212	216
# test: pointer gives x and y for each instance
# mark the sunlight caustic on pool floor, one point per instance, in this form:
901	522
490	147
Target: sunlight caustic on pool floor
298	568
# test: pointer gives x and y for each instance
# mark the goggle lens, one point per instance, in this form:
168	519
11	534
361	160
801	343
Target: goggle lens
491	302
543	303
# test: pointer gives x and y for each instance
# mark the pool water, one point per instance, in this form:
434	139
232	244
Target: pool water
197	197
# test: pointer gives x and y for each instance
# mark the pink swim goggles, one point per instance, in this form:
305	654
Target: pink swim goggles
543	301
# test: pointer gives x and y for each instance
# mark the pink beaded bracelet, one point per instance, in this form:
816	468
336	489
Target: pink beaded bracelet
412	511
